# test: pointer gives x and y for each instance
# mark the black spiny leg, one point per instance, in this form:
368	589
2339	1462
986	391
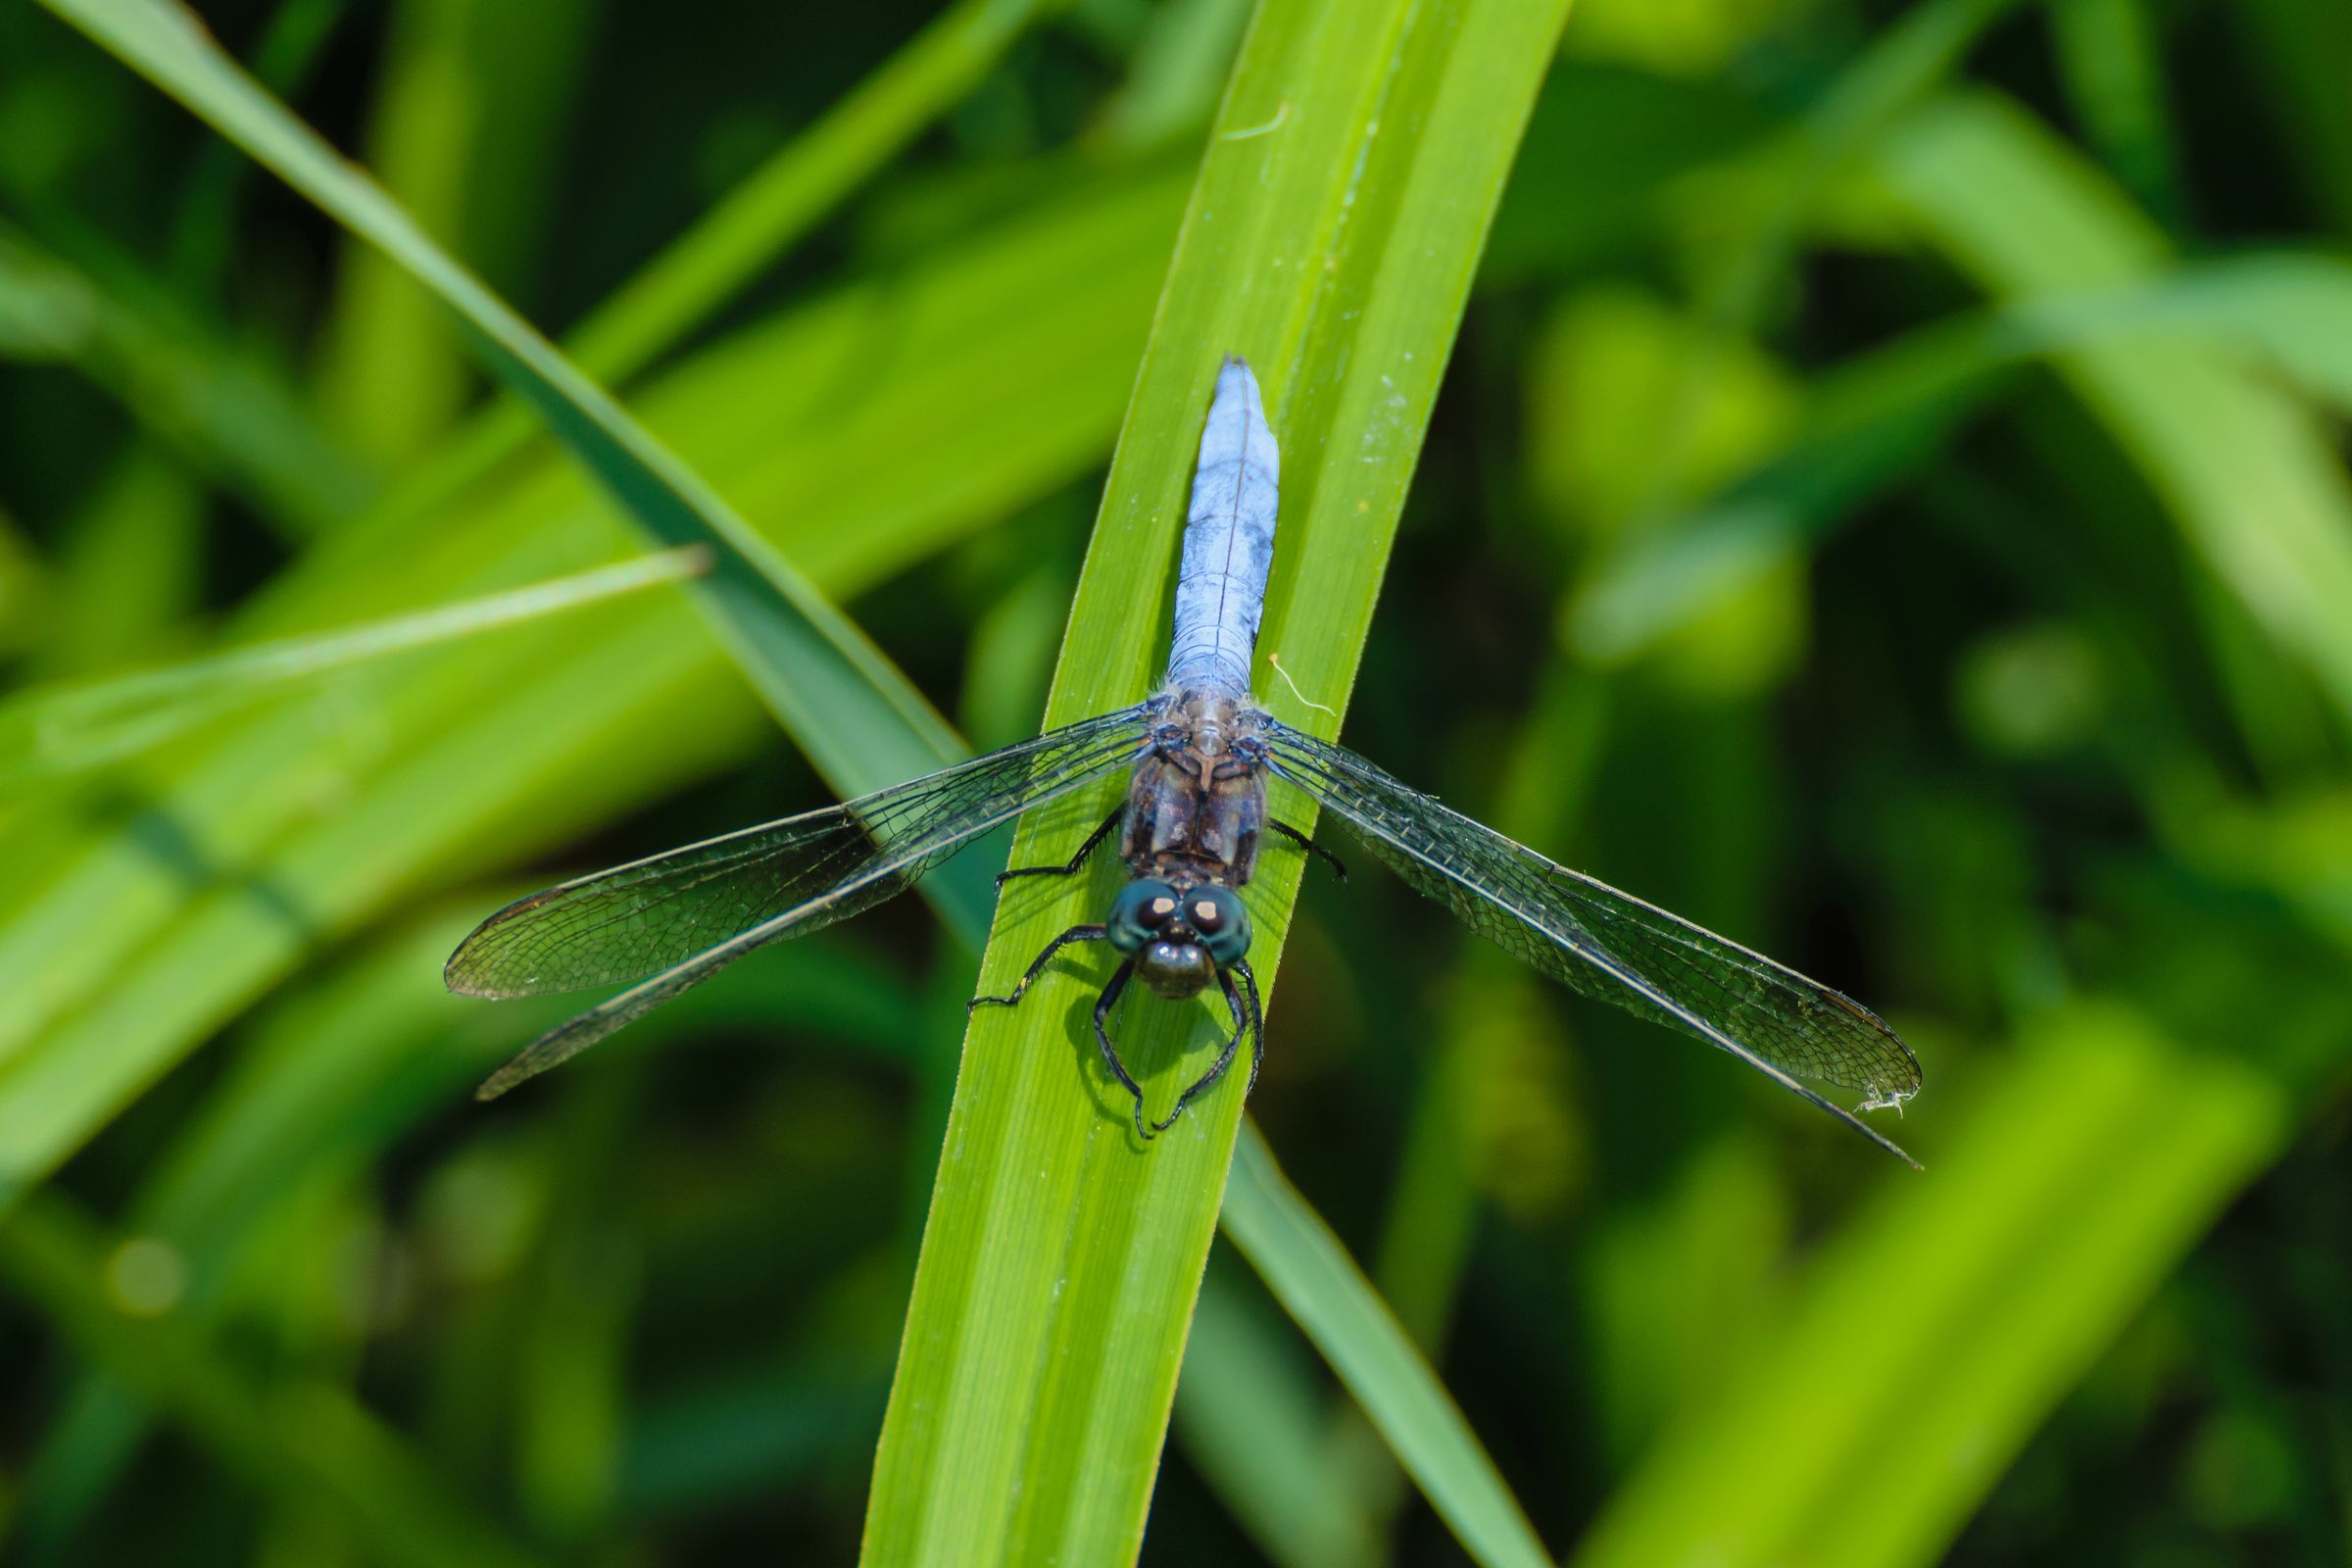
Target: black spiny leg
1309	845
1094	842
1258	1025
1077	933
1110	1055
1242	1021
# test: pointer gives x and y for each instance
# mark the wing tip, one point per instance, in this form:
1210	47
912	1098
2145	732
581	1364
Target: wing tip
506	1077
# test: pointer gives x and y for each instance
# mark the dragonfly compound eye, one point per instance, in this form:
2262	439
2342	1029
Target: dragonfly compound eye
1142	908
1222	919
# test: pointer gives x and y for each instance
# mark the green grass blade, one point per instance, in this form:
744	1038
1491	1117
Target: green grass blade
858	719
1974	1295
129	575
1795	170
2112	66
229	416
286	56
49	732
803	181
1874	419
1331	239
1251	1415
763	218
304	1443
1320	1286
391	367
2299	47
2292	310
2244	471
1869	423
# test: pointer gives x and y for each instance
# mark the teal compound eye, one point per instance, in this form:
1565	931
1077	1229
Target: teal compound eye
1139	913
1220	921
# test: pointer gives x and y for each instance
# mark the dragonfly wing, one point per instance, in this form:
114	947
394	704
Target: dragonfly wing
1608	944
674	921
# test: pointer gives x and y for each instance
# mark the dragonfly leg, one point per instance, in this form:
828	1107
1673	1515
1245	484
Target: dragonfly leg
1309	845
1110	1053
1094	842
1244	1018
1077	933
1257	1024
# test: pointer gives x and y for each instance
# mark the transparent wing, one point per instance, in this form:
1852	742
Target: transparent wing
675	921
1608	944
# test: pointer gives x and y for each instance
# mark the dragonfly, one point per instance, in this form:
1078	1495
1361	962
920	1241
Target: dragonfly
1193	818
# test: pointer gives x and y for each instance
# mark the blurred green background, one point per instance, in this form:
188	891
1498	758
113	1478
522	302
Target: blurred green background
1886	502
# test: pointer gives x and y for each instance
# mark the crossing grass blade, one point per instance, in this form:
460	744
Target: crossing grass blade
126	955
1333	230
50	732
740	237
857	719
801	183
1251	1418
1320	1286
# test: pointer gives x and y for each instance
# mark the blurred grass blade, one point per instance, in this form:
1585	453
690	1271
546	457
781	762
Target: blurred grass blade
301	1443
1249	1411
1867	425
804	180
129	570
1320	1286
2110	61
1177	72
1975	1296
1872	420
46	733
2300	49
288	1118
1765	199
1787	178
730	246
286	56
2246	473
390	369
857	719
229	416
1331	239
2293	311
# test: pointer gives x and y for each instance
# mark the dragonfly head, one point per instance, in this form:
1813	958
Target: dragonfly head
1179	936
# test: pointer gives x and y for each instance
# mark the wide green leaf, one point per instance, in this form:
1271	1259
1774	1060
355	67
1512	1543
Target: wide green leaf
1330	240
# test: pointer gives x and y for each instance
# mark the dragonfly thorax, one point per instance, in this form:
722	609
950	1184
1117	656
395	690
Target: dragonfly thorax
1198	801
